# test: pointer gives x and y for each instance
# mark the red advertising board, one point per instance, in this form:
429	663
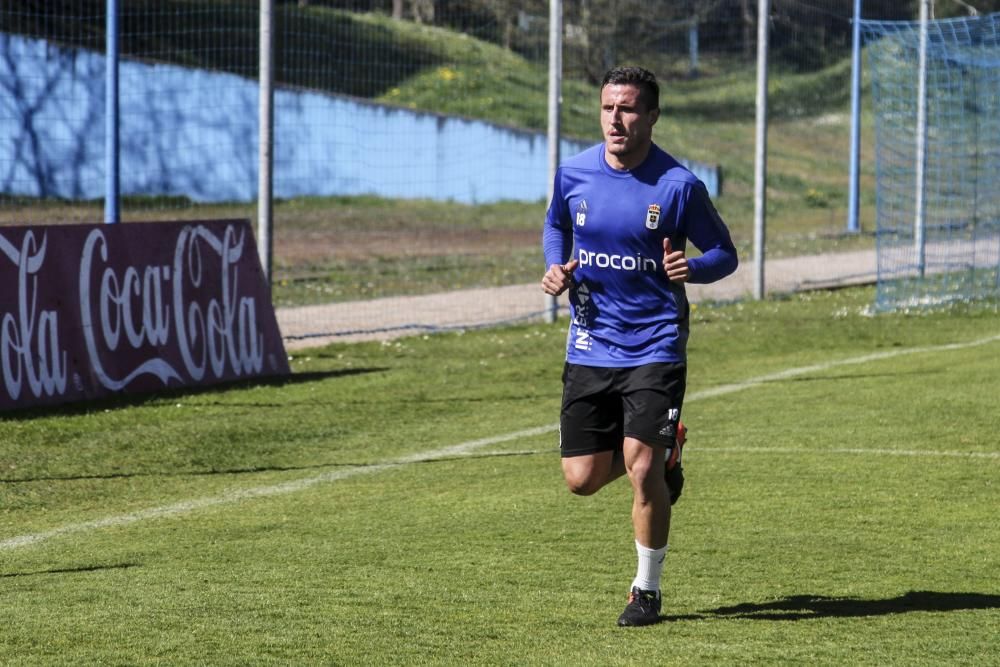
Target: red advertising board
88	311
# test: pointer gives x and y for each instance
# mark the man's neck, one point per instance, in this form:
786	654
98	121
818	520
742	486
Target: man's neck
627	162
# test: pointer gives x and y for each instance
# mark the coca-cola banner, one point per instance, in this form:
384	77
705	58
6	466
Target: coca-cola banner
92	310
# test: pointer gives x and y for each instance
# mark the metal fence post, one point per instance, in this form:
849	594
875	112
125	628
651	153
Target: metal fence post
112	212
853	222
555	87
919	218
760	158
265	139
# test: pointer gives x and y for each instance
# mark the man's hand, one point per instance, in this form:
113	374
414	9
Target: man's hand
559	277
675	264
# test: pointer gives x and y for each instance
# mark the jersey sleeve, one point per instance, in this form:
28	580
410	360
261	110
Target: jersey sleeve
707	231
557	233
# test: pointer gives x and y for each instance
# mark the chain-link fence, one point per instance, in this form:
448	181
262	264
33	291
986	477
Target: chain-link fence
938	208
410	161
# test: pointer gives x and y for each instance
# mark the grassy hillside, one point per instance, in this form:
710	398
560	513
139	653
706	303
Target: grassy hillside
710	119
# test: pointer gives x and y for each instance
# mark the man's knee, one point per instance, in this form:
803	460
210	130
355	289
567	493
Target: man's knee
582	485
643	470
585	475
645	467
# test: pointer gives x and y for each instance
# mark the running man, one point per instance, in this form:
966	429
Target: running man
615	237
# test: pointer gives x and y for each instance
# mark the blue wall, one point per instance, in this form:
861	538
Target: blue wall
194	133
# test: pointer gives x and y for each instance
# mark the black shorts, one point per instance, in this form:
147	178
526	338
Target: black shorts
603	406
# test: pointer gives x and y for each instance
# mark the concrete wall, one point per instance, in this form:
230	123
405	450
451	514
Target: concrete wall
194	133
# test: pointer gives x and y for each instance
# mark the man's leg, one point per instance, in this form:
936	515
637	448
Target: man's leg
650	501
589	473
674	473
590	429
651	526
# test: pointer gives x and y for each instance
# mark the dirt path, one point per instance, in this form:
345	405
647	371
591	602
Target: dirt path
385	319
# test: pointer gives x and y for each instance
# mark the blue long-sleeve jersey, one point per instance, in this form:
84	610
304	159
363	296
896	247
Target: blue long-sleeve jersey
625	312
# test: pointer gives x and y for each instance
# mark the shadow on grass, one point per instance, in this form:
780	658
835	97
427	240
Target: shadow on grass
208	472
803	607
71	570
252	470
125	400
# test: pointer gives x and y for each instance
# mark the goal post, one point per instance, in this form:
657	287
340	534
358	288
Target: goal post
936	102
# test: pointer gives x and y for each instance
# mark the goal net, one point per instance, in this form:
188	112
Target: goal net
938	227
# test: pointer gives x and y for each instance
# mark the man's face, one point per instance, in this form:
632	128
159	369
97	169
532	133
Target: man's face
627	125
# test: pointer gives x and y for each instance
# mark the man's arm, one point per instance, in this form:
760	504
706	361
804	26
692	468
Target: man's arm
557	245
707	231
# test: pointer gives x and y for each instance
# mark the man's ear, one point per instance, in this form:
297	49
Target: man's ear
654	116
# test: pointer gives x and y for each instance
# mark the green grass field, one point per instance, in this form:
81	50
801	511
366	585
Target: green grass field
401	503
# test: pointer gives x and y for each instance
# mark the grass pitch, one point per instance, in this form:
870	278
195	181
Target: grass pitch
374	508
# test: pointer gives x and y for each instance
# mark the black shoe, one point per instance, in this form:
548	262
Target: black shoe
643	608
674	472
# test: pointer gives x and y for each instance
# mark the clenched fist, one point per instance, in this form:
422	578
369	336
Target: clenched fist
675	263
559	277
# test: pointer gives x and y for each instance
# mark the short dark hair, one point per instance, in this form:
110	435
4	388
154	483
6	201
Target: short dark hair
643	79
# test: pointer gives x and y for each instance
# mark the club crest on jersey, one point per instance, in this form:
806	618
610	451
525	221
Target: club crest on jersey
581	214
653	216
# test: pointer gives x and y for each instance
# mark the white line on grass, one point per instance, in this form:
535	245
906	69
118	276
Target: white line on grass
853	361
294	486
859	451
240	495
932	453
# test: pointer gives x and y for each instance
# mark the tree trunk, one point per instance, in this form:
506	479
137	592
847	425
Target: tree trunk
748	26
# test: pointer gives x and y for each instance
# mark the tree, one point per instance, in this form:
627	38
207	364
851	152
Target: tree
422	11
515	19
603	33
